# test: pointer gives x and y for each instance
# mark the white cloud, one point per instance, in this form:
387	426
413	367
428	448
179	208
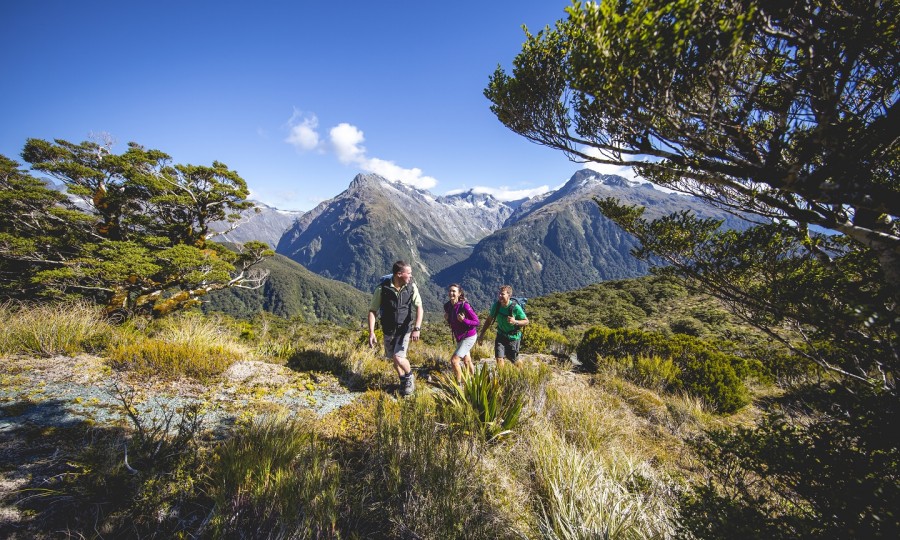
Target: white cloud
347	140
303	135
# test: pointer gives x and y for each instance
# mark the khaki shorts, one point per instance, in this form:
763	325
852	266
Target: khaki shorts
396	345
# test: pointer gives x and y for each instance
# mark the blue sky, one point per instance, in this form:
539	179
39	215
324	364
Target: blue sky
297	97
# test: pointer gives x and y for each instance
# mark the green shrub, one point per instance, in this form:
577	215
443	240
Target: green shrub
832	475
688	326
704	372
541	339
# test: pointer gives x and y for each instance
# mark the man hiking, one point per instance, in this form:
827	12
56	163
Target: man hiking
394	298
510	318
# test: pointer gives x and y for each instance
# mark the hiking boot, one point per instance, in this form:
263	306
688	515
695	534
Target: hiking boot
407	384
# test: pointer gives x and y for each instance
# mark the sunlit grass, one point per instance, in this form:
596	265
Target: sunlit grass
50	329
583	495
188	345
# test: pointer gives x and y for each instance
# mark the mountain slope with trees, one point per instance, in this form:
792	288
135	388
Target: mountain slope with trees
292	291
563	242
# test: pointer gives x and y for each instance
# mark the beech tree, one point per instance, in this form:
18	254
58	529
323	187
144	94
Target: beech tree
787	110
785	113
138	238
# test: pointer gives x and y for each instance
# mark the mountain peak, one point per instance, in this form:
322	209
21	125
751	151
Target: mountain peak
588	178
367	180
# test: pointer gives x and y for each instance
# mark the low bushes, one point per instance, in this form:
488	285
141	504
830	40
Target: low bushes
669	362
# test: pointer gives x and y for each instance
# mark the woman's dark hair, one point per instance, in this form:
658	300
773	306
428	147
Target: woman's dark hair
462	293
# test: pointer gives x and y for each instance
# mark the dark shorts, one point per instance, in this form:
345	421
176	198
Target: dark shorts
507	348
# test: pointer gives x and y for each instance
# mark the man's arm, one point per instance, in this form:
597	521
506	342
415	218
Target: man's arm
420	312
372	338
484	328
374	306
523	320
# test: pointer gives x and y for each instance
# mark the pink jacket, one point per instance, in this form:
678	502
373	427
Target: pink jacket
461	328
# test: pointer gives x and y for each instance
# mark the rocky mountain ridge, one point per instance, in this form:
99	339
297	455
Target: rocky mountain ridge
555	242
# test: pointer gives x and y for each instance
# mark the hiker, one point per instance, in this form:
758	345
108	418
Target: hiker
510	318
394	299
463	323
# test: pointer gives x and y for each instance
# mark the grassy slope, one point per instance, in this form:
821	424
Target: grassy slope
595	434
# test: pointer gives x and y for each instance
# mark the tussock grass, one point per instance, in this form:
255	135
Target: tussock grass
590	418
50	329
359	366
582	495
277	478
421	481
186	345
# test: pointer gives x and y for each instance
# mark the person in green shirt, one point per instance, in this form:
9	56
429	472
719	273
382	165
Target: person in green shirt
510	319
395	300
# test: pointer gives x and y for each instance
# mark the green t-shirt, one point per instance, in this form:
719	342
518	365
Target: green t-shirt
500	313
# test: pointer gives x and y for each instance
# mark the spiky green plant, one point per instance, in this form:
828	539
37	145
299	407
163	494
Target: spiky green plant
479	404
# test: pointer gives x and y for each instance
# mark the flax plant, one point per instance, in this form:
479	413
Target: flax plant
479	404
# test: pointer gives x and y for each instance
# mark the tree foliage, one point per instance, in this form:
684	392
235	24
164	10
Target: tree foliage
133	233
781	109
787	113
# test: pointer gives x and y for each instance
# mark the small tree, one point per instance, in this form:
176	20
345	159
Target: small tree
142	241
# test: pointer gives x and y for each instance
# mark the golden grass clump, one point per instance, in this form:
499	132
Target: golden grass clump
65	328
582	494
187	345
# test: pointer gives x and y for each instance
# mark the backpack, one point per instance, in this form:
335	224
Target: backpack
521	300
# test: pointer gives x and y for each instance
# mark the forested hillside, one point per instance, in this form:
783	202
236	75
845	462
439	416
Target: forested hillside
292	291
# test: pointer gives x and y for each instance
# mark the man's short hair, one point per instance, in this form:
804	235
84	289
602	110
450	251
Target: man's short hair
506	288
399	266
